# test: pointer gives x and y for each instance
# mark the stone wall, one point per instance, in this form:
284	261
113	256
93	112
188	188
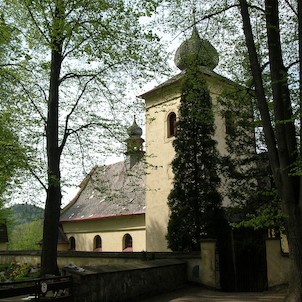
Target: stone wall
80	259
116	283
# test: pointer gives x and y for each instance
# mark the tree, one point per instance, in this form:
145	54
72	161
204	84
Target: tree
26	236
280	128
91	49
13	156
13	159
249	186
271	38
194	200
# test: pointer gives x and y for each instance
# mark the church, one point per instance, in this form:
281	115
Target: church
123	206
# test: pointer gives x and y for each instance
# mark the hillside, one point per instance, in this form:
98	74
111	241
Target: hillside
25	213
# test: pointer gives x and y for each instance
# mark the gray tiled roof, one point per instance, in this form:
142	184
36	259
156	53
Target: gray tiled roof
107	191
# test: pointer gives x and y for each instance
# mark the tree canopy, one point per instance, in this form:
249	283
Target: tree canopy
78	60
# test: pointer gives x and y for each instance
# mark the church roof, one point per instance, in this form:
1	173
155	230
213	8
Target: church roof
178	78
109	191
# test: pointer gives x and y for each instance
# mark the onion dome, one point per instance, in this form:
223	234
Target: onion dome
196	50
134	130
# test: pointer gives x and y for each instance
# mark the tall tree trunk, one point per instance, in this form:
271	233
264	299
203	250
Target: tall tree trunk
53	199
287	149
260	92
282	153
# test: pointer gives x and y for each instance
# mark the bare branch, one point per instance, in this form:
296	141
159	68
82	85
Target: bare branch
257	8
213	14
9	64
94	124
37	177
36	24
292	64
71	75
69	132
291	7
68	39
30	98
216	13
43	11
43	91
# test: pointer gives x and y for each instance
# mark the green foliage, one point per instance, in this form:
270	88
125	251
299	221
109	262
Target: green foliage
194	200
249	186
17	272
26	236
108	49
24	227
13	158
268	217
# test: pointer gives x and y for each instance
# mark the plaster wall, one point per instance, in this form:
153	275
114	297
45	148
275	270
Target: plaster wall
111	231
3	246
160	153
278	264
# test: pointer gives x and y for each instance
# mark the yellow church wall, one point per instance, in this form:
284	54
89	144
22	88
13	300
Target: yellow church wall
160	153
3	246
111	231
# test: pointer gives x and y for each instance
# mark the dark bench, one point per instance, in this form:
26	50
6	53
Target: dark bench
43	289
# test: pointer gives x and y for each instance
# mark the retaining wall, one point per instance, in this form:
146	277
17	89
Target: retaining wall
116	283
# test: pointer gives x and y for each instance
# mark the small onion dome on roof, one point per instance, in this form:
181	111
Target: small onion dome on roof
134	130
196	49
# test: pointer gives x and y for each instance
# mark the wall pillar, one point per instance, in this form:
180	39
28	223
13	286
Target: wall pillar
209	272
277	264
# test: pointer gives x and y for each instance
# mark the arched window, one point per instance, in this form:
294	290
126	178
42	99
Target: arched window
127	243
229	123
72	244
97	243
171	124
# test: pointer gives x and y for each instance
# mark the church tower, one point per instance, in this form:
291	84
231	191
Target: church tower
134	144
162	105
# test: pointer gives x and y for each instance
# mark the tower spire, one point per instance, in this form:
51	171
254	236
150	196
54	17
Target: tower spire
194	15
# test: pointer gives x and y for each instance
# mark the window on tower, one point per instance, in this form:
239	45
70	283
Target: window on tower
229	123
171	123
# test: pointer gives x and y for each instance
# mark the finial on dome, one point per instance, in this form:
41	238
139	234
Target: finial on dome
194	15
196	51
